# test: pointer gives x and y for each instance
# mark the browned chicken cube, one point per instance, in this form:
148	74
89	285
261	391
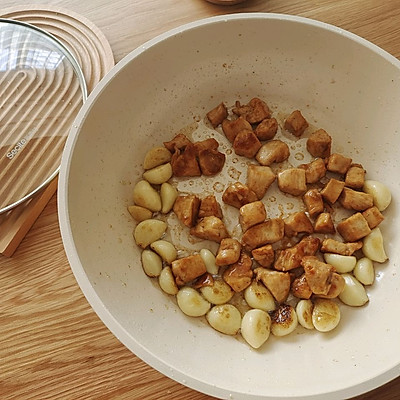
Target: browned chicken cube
292	181
237	195
232	127
210	228
353	228
338	163
315	170
254	112
246	144
266	129
207	144
239	275
180	141
290	258
300	288
324	224
337	286
354	200
266	232
211	161
274	151
296	223
184	162
318	274
334	246
186	209
278	283
319	144
228	252
313	202
264	255
373	216
355	176
259	179
251	214
209	206
188	268
217	114
295	123
332	190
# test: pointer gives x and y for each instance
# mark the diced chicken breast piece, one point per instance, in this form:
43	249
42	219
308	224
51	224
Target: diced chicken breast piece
337	286
338	163
292	181
211	161
217	114
296	223
315	170
237	195
319	144
274	151
278	283
251	214
300	288
345	249
324	224
246	144
295	123
332	190
188	268
318	274
180	141
313	202
228	252
264	255
353	228
266	232
266	129
232	127
184	162
186	209
207	144
354	200
355	176
259	179
239	275
254	112
209	206
373	216
210	228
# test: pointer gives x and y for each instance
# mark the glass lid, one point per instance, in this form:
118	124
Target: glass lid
42	89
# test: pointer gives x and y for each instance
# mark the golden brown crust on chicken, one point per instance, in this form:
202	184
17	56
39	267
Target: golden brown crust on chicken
184	161
274	151
318	274
237	195
251	214
180	141
354	200
324	224
232	127
207	144
332	190
259	179
345	249
337	286
353	228
239	275
217	114
300	288
319	144
264	255
210	228
186	209
315	170
373	216
338	163
211	161
313	202
278	283
295	123
296	223
355	176
209	206
188	268
266	232
266	129
292	181
228	252
246	144
254	112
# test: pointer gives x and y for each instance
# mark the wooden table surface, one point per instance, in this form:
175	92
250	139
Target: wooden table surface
52	344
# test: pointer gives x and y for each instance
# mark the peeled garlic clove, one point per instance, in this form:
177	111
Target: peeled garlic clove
380	193
168	196
166	250
225	318
258	296
167	282
156	156
364	271
139	213
373	246
151	263
191	302
148	231
325	315
146	196
342	264
283	320
219	293
209	259
354	293
304	311
256	327
159	174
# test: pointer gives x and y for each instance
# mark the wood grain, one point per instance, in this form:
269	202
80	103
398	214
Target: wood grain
53	346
